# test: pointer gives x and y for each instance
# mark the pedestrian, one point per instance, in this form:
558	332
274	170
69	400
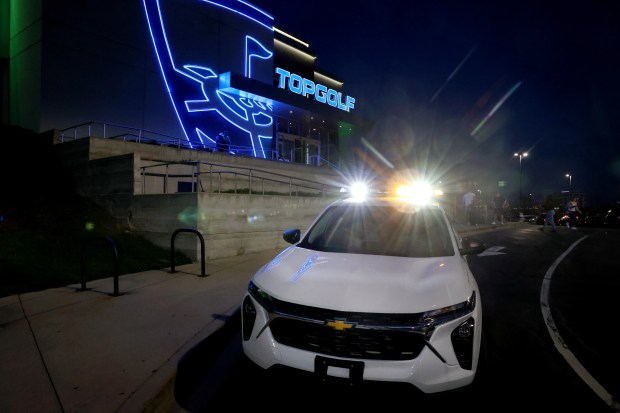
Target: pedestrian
506	215
491	211
468	200
222	142
501	207
219	142
572	207
549	219
227	142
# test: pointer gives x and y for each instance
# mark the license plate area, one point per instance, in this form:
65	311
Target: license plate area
355	368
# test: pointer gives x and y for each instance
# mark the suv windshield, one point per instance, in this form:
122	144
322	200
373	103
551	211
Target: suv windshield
380	230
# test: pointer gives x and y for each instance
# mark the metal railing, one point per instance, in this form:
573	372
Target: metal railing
235	179
124	133
318	160
120	132
130	134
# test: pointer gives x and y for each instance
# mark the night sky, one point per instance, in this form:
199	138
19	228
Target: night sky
456	88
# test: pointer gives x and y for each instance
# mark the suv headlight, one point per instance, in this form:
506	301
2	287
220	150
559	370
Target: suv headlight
443	315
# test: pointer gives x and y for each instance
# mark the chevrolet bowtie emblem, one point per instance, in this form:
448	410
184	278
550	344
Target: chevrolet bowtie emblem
339	324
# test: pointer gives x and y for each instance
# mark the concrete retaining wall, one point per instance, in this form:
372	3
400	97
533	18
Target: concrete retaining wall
109	172
230	224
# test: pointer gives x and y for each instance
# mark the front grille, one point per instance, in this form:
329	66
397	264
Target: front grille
375	336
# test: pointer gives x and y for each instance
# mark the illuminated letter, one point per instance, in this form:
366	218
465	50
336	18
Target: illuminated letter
283	75
350	103
320	93
308	87
294	85
332	97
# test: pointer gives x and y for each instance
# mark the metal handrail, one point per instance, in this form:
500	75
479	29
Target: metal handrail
251	174
318	159
138	135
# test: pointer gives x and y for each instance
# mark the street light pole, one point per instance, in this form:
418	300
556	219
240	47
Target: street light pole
570	185
521	155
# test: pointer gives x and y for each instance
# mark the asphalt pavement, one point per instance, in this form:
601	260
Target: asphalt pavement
71	350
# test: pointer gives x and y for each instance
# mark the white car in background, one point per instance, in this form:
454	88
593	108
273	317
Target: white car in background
376	289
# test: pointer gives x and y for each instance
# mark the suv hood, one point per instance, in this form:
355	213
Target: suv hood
365	283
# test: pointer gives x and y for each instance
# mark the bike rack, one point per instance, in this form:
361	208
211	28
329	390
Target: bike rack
83	262
202	249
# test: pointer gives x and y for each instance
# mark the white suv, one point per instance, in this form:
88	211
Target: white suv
377	289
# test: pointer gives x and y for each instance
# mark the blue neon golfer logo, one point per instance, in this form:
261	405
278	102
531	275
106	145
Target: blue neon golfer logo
189	62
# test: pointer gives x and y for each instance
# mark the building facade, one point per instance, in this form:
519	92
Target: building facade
183	69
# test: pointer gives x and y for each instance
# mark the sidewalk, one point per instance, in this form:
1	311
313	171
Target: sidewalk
65	350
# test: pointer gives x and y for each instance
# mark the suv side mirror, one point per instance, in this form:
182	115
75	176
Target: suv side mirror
471	246
292	235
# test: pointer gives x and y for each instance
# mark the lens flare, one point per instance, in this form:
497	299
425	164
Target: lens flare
359	190
419	193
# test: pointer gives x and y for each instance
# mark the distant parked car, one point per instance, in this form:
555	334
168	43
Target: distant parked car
594	219
531	218
562	218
